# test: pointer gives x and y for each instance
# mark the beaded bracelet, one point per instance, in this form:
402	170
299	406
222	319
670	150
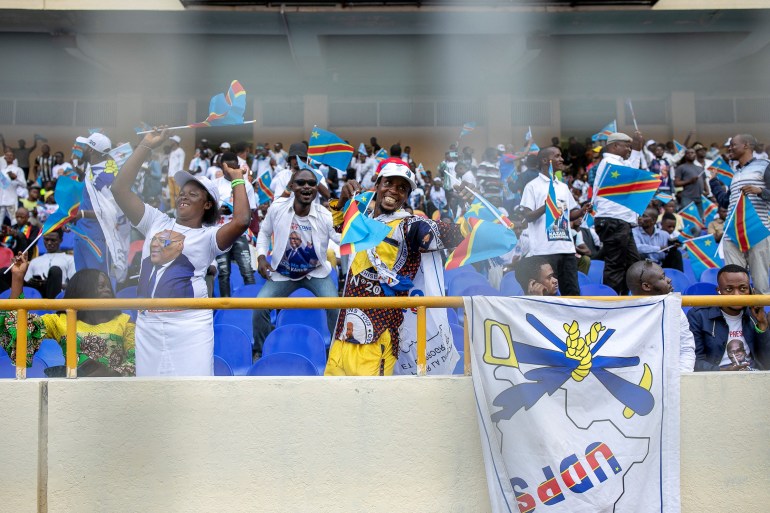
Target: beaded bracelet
236	182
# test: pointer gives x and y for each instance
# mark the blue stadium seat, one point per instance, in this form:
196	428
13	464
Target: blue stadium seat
678	279
283	364
452	316
688	271
60	295
596	271
51	352
458	336
597	289
298	339
583	279
238	318
484	289
302	293
709	276
463	280
221	367
128	293
453	273
233	346
315	318
8	369
509	286
700	289
29	293
459	369
250	290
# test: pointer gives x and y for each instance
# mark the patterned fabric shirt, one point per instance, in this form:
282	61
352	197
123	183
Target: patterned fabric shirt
400	251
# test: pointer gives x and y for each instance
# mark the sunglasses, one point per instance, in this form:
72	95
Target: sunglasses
302	183
164	242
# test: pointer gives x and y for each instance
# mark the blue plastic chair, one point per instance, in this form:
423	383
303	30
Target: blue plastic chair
583	279
700	289
480	290
29	293
458	336
60	295
596	271
678	279
688	270
8	369
597	289
297	339
238	318
302	293
459	369
283	364
464	280
51	352
221	367
710	276
509	286
128	293
452	316
233	346
315	318
450	275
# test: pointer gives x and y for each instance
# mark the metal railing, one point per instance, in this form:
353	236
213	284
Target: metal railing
420	303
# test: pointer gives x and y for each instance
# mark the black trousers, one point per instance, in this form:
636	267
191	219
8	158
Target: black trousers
565	267
619	250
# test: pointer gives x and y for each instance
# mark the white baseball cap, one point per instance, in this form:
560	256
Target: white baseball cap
500	147
396	168
96	141
225	145
176	139
182	177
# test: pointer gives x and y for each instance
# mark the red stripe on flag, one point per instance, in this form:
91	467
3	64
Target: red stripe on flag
740	225
646	186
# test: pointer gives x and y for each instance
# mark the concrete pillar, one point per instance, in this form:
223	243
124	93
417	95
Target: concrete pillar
316	111
682	113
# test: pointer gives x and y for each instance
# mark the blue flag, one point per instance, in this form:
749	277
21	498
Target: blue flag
609	128
327	148
633	188
744	227
264	192
308	166
703	254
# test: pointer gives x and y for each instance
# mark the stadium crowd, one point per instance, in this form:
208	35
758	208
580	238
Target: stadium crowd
155	222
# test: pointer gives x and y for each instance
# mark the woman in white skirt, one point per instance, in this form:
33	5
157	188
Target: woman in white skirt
176	254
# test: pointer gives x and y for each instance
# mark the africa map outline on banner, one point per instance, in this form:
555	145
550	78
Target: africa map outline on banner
599	435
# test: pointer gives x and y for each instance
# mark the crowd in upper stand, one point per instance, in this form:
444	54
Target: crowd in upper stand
172	225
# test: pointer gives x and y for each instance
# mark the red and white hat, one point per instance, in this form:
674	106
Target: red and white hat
396	167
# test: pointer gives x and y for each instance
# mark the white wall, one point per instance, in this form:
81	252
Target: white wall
320	445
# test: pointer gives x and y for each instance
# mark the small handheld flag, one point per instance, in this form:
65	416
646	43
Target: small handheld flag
703	254
528	135
40	138
663	197
723	170
744	227
225	109
710	210
485	240
552	211
360	232
633	188
121	153
381	155
327	148
467	128
362	149
679	146
264	192
691	215
609	128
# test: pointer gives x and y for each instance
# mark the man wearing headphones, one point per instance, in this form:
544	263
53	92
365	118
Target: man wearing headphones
714	326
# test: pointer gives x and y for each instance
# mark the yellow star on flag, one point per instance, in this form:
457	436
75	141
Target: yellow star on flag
614	174
475	208
314	134
708	242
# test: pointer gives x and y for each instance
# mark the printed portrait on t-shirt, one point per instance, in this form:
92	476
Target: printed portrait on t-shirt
300	257
167	272
739	354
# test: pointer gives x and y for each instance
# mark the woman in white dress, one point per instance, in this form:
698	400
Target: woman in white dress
176	254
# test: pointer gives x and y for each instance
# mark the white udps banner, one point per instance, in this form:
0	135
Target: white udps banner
578	402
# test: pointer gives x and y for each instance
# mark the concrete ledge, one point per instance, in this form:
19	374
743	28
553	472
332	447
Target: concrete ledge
21	431
278	445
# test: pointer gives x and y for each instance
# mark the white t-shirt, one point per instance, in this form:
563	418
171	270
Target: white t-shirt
299	256
469	177
184	275
558	240
734	332
175	161
39	266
